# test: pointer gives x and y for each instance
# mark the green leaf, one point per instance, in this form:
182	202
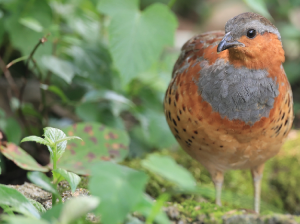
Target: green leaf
93	61
22	220
31	23
166	167
59	67
155	131
67	139
38	206
29	110
118	187
97	95
22	37
35	139
55	135
133	35
18	202
260	7
13	130
157	207
55	90
53	214
21	158
115	7
72	178
100	143
147	207
42	181
77	207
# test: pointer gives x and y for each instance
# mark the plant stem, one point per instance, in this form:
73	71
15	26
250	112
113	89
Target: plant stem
54	156
53	199
171	3
54	167
16	61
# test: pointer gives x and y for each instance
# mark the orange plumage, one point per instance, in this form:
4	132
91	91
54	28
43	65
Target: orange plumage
231	109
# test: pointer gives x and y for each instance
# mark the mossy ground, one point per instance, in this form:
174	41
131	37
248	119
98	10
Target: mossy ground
280	185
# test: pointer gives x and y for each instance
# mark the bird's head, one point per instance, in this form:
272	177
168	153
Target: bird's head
250	36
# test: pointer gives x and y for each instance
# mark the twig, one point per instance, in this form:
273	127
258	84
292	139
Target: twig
43	40
16	61
9	78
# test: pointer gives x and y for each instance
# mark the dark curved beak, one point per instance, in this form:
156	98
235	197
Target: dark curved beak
228	42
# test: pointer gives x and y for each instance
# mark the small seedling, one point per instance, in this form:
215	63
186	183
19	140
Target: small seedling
56	141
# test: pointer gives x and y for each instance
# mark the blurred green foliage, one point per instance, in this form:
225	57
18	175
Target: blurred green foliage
106	61
102	62
110	61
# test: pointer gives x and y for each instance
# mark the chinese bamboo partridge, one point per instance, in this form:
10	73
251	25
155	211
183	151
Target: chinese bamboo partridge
229	103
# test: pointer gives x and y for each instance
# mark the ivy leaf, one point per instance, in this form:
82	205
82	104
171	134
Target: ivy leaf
35	139
72	178
55	135
133	35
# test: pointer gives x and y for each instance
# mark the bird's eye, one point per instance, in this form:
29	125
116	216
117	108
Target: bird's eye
251	33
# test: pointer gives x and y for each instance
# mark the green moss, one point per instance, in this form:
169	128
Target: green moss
83	182
279	186
194	211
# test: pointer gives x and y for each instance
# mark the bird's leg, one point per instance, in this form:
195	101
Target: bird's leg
257	173
218	178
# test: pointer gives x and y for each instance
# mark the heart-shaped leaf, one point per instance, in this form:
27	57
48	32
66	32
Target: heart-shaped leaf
21	158
133	35
99	143
61	174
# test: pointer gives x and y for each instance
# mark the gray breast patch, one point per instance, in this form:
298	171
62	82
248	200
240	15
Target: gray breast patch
237	93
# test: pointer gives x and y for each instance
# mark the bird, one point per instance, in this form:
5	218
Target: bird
229	103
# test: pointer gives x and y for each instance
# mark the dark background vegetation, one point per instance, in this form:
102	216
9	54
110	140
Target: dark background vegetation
76	74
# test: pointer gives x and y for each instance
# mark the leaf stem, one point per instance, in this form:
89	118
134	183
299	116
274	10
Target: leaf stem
171	3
